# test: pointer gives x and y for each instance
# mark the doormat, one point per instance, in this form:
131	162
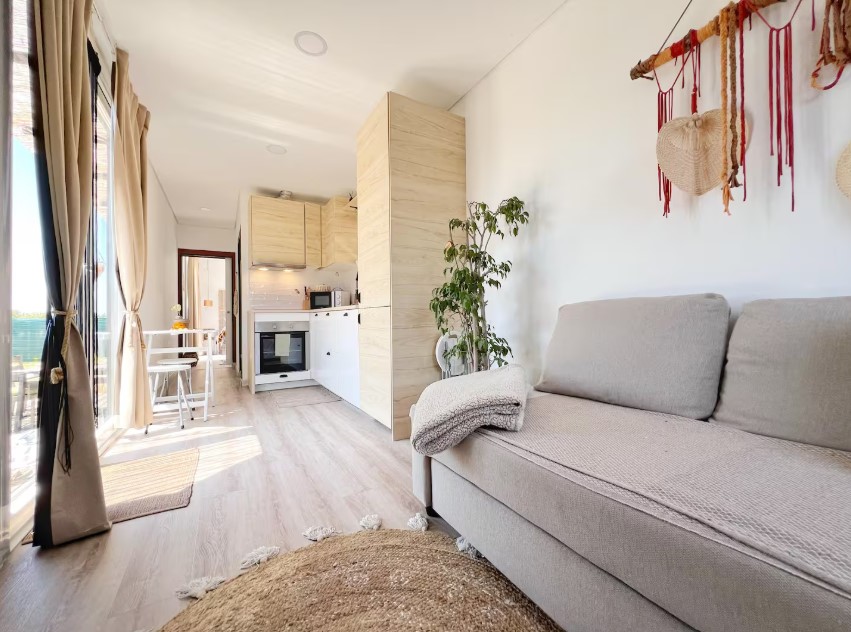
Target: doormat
151	485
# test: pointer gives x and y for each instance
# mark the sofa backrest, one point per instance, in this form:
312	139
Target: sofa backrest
788	371
662	354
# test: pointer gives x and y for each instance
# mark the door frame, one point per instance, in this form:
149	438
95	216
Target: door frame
211	254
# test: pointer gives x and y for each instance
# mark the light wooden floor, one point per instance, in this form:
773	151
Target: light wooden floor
265	474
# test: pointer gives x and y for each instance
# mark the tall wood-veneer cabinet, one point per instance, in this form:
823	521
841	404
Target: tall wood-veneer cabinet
411	182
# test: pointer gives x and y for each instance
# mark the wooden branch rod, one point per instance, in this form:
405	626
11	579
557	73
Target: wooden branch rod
710	29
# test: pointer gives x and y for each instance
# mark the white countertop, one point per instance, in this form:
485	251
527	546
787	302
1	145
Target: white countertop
271	310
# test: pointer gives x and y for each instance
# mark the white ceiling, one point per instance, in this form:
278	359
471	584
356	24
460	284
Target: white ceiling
223	80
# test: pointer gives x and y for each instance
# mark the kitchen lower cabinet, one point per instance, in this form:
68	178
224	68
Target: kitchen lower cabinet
376	365
334	355
321	341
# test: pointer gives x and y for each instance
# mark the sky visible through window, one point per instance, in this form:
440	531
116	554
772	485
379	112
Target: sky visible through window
29	293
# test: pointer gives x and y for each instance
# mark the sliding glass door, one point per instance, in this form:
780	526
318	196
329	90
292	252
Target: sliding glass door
5	264
28	292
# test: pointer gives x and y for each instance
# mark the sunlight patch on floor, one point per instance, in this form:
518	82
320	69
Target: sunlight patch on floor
220	456
136	440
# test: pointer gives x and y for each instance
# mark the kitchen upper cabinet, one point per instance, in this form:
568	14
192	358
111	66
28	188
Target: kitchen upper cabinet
290	234
277	233
313	234
339	232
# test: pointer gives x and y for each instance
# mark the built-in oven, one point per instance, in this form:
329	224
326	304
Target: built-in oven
280	347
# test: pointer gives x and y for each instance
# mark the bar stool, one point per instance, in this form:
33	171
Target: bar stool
190	362
181	371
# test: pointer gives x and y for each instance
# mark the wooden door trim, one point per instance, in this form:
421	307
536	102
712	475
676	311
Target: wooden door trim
211	254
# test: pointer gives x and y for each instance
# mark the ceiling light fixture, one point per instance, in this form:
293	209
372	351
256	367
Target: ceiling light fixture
278	150
310	43
205	209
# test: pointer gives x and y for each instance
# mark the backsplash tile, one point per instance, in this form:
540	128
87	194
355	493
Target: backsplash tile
271	289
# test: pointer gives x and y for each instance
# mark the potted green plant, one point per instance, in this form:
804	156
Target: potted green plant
459	304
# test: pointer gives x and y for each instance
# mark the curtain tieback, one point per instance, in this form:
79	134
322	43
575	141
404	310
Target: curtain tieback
57	373
132	316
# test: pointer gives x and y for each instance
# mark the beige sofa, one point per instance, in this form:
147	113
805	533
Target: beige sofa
665	480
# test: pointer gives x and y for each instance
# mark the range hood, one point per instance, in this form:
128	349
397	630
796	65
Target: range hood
279	267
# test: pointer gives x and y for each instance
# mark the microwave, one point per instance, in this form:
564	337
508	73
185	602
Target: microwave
321	300
331	298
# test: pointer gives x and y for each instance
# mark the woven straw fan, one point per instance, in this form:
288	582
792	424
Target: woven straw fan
843	172
689	152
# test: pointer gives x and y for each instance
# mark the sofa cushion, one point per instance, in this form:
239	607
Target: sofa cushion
693	569
788	371
661	354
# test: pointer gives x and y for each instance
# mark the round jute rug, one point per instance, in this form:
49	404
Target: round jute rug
376	580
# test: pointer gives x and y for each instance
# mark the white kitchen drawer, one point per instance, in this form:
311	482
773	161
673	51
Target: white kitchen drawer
273	317
275	378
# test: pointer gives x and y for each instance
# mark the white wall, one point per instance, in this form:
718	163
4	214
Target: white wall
559	124
206	238
161	285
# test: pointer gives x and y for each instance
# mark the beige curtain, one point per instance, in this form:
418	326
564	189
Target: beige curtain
70	502
131	243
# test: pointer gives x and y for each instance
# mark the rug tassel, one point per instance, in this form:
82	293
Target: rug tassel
197	588
258	556
464	546
418	523
317	534
371	522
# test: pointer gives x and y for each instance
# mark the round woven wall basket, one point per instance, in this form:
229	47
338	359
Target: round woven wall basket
843	172
373	580
689	151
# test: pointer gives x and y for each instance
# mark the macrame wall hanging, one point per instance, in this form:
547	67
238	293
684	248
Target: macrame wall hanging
665	111
729	26
835	48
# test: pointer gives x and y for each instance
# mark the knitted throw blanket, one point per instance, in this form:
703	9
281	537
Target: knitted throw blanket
450	410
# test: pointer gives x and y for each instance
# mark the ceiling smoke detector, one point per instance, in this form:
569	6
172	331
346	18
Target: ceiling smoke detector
278	150
310	43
